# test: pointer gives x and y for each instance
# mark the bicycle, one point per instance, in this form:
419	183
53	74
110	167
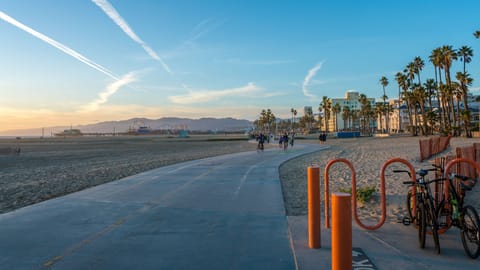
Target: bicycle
424	214
409	198
451	211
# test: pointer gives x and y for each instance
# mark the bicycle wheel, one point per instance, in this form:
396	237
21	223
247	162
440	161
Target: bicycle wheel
410	205
470	231
432	222
421	222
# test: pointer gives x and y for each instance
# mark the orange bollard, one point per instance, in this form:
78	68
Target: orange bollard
313	174
341	231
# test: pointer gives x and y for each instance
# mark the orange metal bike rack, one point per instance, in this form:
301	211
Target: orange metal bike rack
446	186
327	190
354	191
382	187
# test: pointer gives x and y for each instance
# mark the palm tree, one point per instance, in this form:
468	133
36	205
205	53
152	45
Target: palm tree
364	110
401	79
262	120
418	66
379	110
435	58
420	96
429	86
266	121
411	104
336	109
346	116
326	106
448	55
465	81
465	54
294	113
477	34
445	94
384	83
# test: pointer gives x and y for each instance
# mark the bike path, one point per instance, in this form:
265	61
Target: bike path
224	212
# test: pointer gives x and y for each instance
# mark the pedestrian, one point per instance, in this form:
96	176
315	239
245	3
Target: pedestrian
322	138
261	141
285	141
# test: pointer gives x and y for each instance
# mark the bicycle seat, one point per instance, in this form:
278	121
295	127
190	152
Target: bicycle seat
467	184
422	173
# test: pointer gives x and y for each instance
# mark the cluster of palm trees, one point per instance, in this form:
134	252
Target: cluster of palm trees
436	104
448	115
266	122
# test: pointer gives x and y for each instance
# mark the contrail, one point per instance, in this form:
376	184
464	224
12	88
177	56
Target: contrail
58	45
311	73
111	89
113	14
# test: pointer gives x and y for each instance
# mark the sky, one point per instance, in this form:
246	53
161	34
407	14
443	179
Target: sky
66	62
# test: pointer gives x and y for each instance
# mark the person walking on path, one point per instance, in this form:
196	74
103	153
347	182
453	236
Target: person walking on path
285	141
292	140
261	141
322	137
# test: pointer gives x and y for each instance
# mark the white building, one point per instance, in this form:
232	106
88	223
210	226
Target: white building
351	100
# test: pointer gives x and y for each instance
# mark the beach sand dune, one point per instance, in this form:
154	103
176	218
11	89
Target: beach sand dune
367	156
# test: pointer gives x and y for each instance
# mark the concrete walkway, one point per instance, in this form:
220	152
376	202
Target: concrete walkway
224	212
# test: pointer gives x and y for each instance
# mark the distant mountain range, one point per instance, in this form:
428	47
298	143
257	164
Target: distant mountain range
202	124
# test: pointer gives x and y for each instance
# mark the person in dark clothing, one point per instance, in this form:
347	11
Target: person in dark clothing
285	141
261	141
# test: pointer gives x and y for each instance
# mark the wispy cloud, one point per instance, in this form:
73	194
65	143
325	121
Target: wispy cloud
211	95
256	62
308	79
111	89
203	28
115	16
58	45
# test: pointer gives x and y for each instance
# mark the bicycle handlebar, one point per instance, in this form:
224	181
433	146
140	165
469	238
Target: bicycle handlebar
403	171
462	177
417	182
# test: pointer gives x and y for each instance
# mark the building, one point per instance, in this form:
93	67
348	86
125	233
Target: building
342	121
398	120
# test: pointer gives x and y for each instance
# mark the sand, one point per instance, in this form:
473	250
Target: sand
52	167
367	156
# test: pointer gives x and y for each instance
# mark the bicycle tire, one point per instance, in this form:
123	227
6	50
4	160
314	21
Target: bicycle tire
421	223
470	231
432	220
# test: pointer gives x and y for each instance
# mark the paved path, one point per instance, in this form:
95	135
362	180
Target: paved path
225	212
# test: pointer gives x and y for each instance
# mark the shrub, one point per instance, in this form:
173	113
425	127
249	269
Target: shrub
363	194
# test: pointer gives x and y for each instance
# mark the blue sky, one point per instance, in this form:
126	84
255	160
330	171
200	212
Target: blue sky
76	62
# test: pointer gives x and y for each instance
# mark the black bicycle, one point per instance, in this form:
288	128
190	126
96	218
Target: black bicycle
451	211
425	214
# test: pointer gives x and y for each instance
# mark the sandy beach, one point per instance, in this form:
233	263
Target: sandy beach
367	156
52	167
